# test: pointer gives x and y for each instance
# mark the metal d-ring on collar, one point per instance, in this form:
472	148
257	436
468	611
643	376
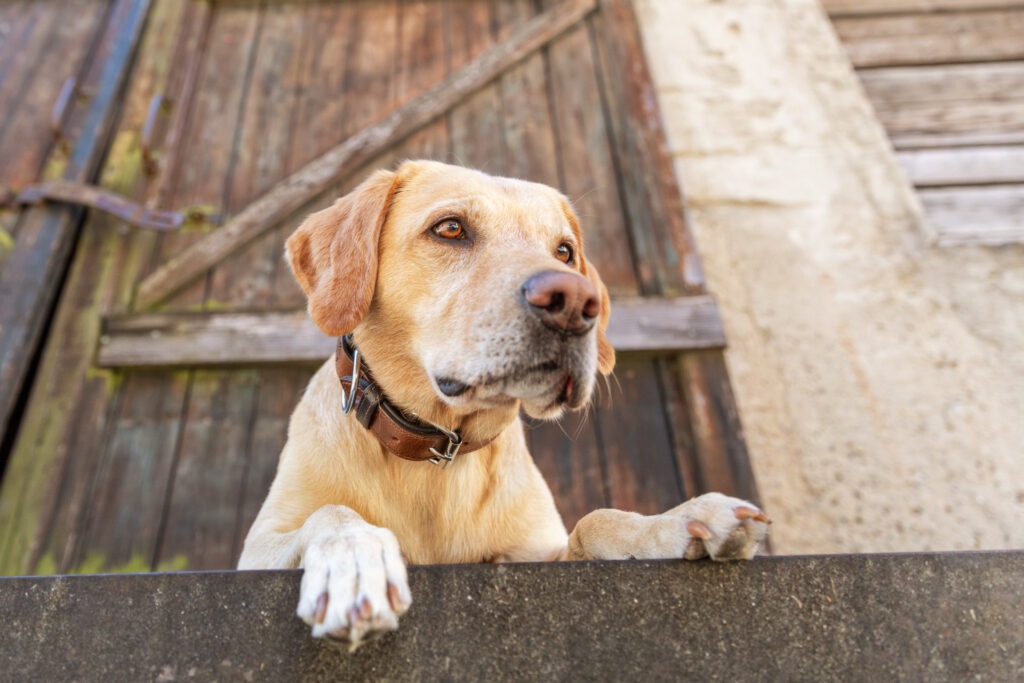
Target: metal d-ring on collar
407	437
348	400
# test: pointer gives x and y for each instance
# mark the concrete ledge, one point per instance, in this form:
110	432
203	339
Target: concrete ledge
859	617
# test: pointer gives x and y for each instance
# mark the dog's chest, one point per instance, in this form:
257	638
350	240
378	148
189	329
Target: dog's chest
450	519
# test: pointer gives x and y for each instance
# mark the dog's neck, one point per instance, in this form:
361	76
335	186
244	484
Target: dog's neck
431	431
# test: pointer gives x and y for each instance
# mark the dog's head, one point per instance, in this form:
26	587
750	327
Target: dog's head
469	289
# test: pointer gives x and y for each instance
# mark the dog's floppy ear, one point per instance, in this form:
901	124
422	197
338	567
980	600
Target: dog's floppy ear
334	254
605	351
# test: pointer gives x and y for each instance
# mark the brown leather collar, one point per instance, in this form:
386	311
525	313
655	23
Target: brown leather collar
406	437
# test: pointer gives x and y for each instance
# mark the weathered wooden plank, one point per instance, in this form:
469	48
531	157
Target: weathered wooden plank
935	106
279	392
655	204
331	27
125	505
861	7
32	77
203	339
41	251
975	215
319	118
422	59
665	257
950	84
588	170
212	131
677	417
526	109
320	174
202	520
942	38
65	421
26	28
19	23
722	462
963	165
639	459
569	456
182	70
475	125
32	73
476	129
264	136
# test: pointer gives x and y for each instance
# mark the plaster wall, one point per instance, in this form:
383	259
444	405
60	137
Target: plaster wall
880	378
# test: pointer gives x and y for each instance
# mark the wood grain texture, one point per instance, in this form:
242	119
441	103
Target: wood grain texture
939	38
664	253
279	392
568	454
718	444
991	215
320	174
937	106
526	109
588	168
205	339
963	165
862	7
641	475
722	462
215	107
201	524
45	52
123	512
38	258
263	138
66	421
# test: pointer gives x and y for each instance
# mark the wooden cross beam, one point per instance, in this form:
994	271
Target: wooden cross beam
317	176
226	339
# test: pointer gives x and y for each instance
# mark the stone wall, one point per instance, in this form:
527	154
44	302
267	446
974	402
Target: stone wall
880	378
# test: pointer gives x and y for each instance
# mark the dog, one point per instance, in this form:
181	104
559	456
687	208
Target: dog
459	298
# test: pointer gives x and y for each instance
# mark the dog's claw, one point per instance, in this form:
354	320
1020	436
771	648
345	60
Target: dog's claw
698	530
321	608
394	597
365	609
744	512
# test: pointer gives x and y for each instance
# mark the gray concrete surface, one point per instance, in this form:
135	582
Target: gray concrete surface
921	617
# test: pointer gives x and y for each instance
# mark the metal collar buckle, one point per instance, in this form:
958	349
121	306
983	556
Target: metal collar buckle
450	451
348	400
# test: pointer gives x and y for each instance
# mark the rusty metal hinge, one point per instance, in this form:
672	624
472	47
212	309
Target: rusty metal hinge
70	192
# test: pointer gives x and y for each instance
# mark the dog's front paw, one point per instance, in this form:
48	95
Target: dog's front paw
712	525
354	586
721	527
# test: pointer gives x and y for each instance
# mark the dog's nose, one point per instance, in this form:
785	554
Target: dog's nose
565	302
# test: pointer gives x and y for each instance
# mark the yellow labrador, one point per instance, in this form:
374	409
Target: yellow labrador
461	298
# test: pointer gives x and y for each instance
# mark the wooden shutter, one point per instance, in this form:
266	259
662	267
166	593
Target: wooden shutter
161	459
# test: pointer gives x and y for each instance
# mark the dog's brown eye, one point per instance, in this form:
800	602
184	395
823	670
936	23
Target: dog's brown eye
450	229
564	253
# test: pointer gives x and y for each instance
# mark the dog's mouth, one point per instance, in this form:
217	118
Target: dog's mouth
451	387
548	385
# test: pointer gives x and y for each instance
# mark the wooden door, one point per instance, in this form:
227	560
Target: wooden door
158	411
62	67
